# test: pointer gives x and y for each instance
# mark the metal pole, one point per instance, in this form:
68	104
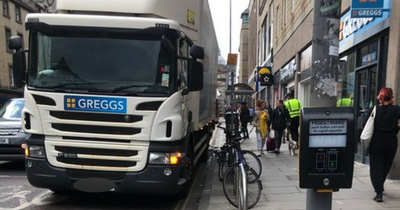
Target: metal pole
243	184
230	26
231	71
318	201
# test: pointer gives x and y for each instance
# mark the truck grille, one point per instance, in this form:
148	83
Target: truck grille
96	155
8	131
90	162
90	151
96	129
84	154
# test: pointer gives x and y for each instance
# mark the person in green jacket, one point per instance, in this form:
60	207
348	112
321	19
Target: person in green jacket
294	108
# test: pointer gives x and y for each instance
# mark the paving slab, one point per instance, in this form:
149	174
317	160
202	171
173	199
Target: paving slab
281	189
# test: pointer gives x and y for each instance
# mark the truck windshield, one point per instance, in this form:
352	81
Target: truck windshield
108	63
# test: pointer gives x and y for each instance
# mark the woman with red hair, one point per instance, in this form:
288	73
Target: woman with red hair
383	145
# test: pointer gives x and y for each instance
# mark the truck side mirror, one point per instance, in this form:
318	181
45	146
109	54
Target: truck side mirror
15	43
197	52
195	77
19	66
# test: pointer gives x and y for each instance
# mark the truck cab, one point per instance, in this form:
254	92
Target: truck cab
108	96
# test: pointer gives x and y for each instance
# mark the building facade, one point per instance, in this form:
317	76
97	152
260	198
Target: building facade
283	38
244	48
12	23
221	86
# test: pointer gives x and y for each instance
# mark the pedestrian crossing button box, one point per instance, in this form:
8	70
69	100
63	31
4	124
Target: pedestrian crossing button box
326	148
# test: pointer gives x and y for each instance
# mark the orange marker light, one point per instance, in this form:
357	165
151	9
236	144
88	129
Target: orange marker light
24	146
173	160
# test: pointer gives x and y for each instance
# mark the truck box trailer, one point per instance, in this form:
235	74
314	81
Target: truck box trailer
119	94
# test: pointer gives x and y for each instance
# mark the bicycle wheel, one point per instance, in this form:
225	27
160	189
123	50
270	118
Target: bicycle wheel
222	165
252	161
230	187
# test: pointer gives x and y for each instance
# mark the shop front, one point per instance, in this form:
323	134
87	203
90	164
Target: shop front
363	51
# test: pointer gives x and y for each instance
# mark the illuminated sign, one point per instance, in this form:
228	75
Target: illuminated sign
366	8
265	76
95	104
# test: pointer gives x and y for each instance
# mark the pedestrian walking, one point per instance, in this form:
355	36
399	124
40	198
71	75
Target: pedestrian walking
294	107
383	145
244	119
270	114
260	123
279	119
251	112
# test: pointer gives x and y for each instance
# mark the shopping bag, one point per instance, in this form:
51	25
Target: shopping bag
272	133
270	144
368	130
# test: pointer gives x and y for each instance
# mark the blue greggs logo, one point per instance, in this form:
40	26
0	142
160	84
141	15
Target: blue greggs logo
95	104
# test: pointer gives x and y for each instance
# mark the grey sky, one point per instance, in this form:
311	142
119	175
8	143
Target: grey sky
220	13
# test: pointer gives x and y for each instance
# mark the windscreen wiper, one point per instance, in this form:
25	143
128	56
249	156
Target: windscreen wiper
75	83
124	87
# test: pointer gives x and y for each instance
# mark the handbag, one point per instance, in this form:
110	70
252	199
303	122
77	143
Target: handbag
368	131
272	134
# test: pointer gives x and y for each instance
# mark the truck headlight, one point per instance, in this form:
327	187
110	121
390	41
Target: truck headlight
34	151
165	158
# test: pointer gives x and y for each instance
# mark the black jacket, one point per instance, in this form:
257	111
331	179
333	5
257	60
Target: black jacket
280	118
244	114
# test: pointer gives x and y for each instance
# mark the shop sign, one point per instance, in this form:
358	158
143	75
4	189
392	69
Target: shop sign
366	8
369	58
353	31
265	76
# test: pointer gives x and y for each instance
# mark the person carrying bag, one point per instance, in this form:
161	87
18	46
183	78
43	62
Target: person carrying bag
368	130
382	127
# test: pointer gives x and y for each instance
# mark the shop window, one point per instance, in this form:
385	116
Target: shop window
346	80
306	59
368	54
6	9
18	14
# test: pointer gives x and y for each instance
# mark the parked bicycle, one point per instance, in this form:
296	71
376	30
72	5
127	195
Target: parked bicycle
241	183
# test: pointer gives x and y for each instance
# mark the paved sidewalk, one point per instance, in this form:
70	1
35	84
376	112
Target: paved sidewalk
281	185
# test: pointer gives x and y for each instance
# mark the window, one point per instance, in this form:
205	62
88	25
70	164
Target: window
306	59
6	10
183	63
271	28
346	79
259	48
8	36
18	14
368	54
264	40
11	72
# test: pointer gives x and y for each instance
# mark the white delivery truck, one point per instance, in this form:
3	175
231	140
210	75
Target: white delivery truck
120	95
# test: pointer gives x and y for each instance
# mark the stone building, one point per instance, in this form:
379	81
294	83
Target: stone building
281	36
243	48
12	23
